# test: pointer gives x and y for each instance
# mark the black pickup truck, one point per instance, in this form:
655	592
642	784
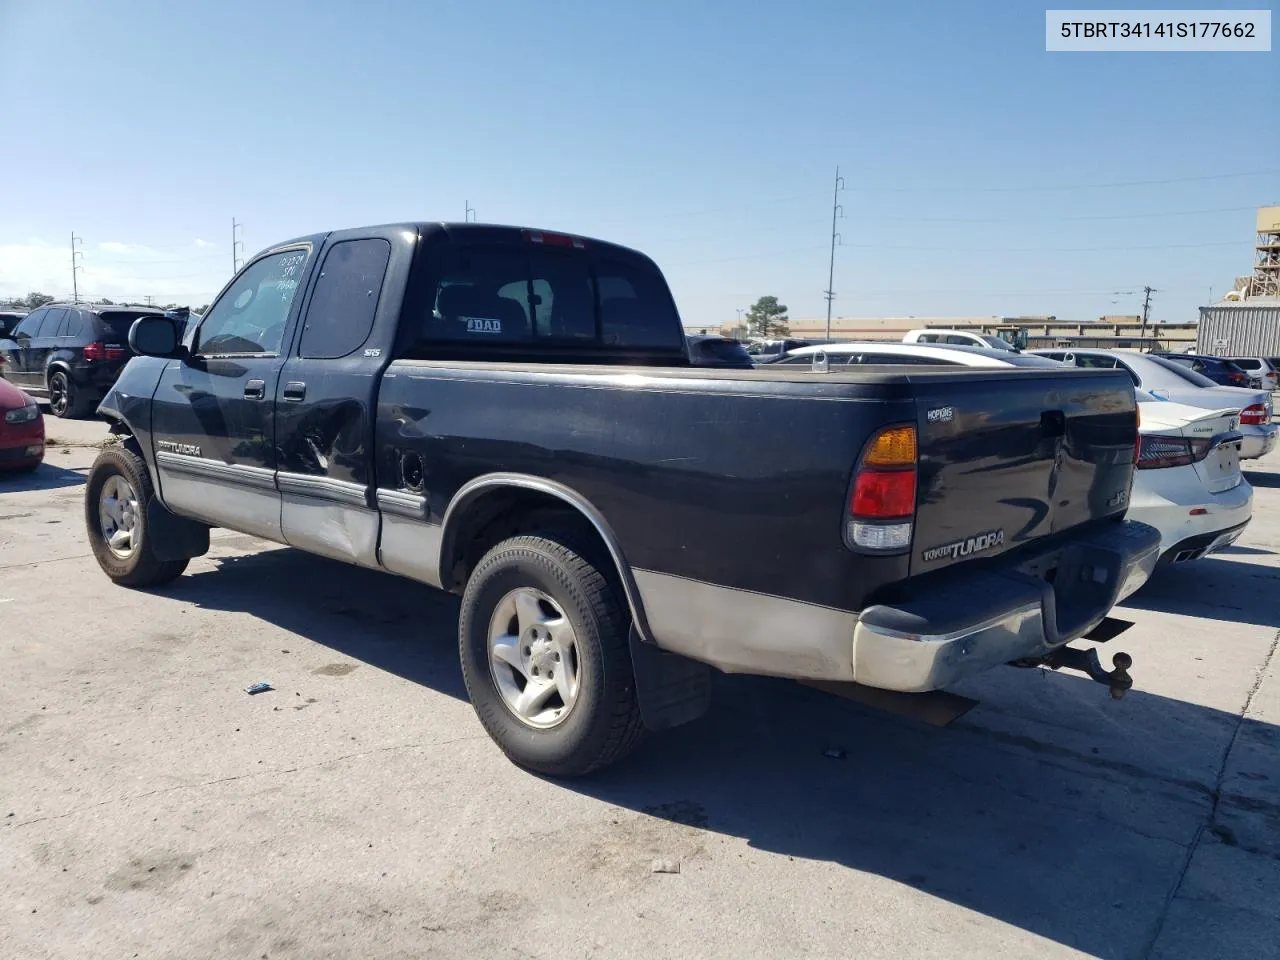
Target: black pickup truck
512	415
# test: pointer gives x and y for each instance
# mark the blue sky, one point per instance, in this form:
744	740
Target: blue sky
705	134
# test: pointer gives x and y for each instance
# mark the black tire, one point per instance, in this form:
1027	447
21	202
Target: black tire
141	568
604	724
66	400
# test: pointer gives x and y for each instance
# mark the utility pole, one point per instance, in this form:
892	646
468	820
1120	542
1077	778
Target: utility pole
1146	310
76	257
469	215
237	245
149	300
836	211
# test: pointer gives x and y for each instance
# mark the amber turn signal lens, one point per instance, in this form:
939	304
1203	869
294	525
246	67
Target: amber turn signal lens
894	447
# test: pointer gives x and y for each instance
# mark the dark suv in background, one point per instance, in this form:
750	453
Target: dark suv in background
1217	369
69	354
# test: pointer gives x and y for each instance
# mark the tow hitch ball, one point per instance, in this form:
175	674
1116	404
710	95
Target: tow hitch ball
1116	680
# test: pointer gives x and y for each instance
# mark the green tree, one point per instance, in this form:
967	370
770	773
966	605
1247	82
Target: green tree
36	299
767	318
202	310
105	302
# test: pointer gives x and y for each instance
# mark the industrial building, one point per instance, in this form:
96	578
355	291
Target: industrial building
1246	322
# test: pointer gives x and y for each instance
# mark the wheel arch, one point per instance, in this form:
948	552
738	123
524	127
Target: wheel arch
55	366
499	501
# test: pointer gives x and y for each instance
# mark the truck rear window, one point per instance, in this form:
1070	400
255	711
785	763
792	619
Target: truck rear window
118	323
510	295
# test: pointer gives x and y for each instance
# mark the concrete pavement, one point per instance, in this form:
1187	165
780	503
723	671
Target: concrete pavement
149	807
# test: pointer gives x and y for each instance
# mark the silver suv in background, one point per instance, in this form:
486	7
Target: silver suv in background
1261	370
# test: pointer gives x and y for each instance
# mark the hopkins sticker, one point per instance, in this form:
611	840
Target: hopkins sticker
483	325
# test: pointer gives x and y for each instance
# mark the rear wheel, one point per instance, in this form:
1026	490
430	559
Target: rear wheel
115	506
546	659
66	400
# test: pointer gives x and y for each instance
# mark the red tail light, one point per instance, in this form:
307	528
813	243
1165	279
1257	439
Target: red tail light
1254	414
1156	451
1238	378
103	351
882	504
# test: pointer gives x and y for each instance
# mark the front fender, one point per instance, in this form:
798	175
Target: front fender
127	405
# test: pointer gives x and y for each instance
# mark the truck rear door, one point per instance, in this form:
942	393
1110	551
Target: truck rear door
326	397
1007	458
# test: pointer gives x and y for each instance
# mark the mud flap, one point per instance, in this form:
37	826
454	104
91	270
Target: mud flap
173	537
672	690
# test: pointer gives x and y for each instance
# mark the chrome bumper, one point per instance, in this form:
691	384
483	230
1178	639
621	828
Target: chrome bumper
980	621
1258	441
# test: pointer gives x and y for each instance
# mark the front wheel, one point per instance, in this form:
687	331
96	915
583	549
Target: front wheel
115	507
546	660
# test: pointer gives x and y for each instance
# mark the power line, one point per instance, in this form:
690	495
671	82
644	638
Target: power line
958	249
236	245
1146	308
1050	188
76	257
836	211
1104	216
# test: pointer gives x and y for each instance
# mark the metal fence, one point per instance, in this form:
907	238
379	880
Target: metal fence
1240	330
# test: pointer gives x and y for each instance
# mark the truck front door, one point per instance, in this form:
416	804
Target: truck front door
326	401
214	413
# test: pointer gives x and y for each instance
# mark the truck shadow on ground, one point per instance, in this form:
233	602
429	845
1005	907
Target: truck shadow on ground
1219	586
44	477
388	622
1259	478
1051	807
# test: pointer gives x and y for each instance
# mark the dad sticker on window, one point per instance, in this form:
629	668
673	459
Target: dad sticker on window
482	325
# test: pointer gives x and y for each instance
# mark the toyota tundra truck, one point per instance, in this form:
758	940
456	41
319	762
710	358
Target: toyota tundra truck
511	415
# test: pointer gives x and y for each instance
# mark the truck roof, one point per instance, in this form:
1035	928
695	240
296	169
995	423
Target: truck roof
478	233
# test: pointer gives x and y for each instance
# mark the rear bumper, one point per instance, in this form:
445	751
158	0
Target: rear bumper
990	618
1166	503
1258	440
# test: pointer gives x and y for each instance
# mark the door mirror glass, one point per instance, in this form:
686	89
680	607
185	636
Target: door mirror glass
154	337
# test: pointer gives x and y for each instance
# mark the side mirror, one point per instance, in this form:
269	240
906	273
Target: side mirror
155	337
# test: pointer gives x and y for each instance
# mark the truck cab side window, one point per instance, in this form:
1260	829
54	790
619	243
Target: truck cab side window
249	318
345	299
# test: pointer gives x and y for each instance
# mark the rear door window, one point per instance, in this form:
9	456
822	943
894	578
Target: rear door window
118	322
1248	363
345	300
1096	361
52	322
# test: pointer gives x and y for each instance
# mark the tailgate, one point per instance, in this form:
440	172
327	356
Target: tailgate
1006	458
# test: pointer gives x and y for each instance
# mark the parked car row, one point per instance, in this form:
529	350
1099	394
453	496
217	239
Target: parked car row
1194	433
69	353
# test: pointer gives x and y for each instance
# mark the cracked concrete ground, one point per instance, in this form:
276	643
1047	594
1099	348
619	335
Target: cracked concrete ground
149	808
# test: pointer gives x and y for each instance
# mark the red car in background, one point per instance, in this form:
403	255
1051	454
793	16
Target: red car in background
21	430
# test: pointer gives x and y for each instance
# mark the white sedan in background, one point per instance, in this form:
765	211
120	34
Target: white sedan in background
1188	484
